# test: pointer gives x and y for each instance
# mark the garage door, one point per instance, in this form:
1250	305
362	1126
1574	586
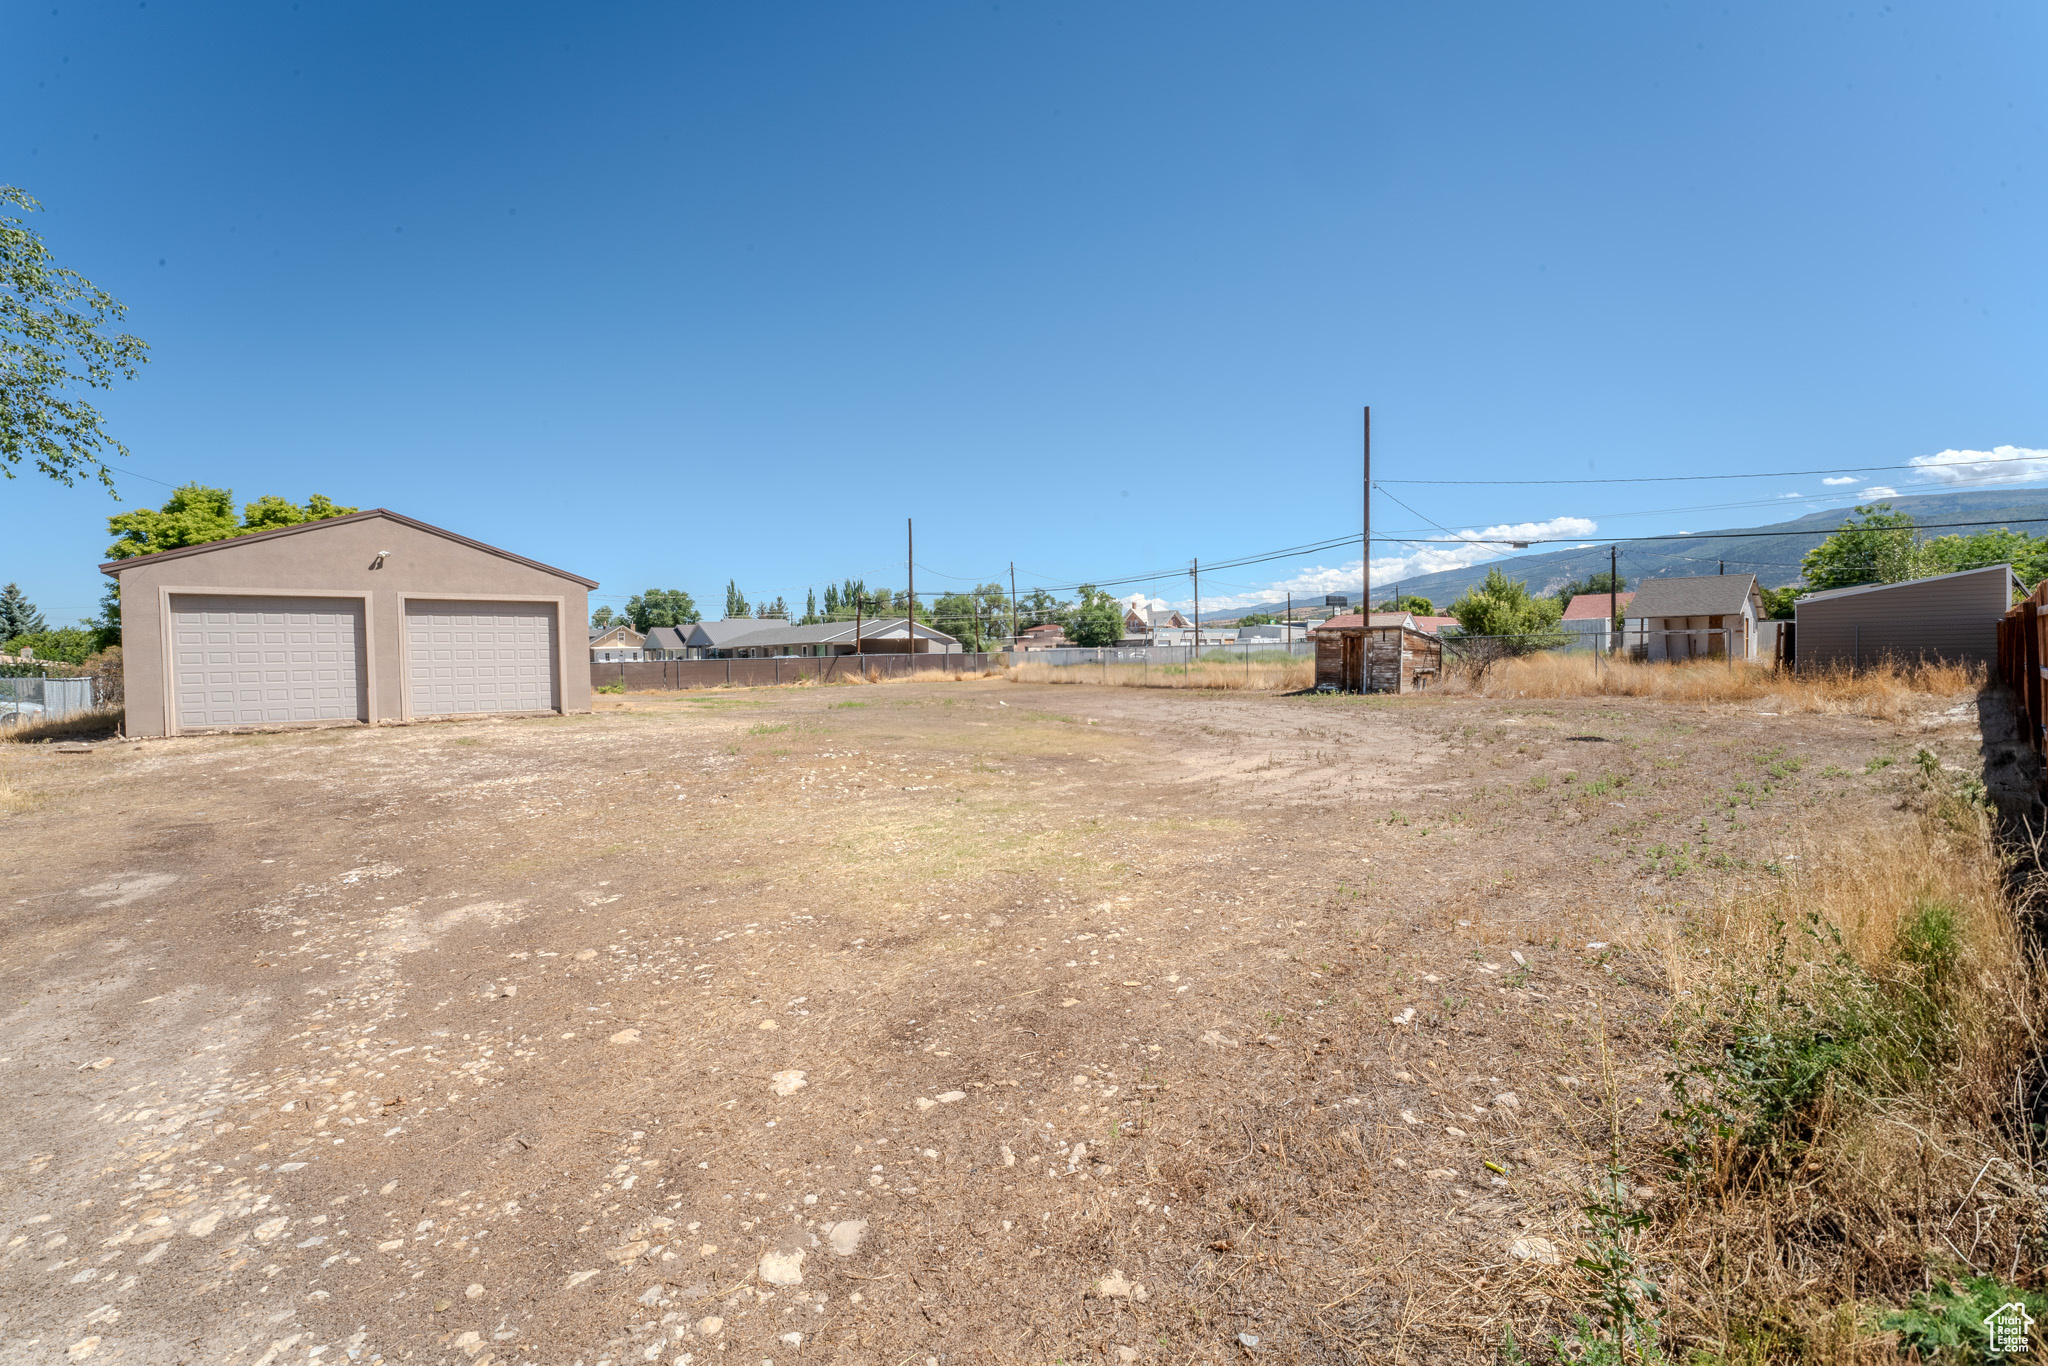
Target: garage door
246	661
465	658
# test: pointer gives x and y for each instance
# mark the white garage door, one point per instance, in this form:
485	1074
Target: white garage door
246	661
474	657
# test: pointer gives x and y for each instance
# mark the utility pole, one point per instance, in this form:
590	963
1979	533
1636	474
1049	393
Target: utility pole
1613	596
1724	566
1365	559
1013	604
1197	573
910	569
857	602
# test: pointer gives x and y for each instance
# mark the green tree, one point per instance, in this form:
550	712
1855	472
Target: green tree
2028	555
18	616
1268	619
1604	581
811	607
1501	606
1096	620
602	619
1038	608
772	609
1877	545
1778	602
66	644
271	511
197	515
661	607
976	619
106	627
1408	602
735	601
56	337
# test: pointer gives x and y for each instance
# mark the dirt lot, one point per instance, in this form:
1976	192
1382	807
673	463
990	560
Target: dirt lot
949	1022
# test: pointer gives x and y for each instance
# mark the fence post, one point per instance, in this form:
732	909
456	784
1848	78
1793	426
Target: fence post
2030	695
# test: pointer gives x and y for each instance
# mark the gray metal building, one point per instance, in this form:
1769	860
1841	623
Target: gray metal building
1951	617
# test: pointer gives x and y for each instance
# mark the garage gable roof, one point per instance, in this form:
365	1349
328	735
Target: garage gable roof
113	568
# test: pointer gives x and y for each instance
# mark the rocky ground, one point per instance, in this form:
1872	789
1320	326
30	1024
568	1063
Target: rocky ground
938	1021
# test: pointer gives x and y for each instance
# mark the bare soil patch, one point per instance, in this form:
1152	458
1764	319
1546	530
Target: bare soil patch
974	1021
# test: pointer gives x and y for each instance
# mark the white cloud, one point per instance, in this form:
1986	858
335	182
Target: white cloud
1839	480
1879	491
1474	547
1999	465
1791	495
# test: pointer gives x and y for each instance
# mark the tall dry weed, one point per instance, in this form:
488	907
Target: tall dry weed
1849	1119
1887	691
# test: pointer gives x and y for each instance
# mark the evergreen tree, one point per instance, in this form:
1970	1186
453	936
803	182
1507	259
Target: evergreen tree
18	616
735	601
810	606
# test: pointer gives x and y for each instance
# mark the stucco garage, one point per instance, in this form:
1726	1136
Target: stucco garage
370	617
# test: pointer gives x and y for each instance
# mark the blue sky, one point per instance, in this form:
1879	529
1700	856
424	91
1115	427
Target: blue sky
668	295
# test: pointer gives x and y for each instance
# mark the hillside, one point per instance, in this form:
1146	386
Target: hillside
1773	559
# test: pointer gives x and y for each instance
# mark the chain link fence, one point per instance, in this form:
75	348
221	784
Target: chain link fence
24	700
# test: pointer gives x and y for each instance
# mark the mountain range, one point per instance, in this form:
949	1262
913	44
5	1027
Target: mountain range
1770	552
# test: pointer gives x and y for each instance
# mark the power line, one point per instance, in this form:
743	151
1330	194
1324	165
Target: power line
1765	474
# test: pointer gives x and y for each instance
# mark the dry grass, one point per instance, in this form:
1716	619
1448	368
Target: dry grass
1885	692
1289	676
1871	1135
102	723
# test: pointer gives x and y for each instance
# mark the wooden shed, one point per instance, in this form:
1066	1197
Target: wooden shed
1389	654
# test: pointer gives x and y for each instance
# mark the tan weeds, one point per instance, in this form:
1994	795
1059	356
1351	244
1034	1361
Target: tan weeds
1885	691
99	724
1290	676
1930	1171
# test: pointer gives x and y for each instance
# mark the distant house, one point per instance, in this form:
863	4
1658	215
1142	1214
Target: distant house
1141	623
1950	617
1386	654
1050	636
870	635
1701	616
615	644
1278	633
668	642
715	639
1591	615
1435	625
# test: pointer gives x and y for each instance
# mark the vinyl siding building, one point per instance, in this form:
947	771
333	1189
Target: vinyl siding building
1951	617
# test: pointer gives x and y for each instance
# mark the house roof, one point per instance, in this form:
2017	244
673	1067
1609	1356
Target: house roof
1434	625
1825	594
1352	621
617	628
1693	595
823	633
1594	606
716	635
670	637
1050	627
113	568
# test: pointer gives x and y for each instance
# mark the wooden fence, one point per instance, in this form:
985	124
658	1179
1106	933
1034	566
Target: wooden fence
2019	658
674	675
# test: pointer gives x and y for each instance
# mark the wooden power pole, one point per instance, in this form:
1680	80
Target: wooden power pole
1365	562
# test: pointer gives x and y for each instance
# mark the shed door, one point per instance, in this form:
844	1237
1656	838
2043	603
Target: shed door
469	658
248	661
